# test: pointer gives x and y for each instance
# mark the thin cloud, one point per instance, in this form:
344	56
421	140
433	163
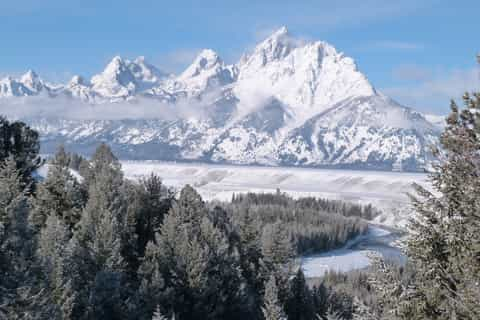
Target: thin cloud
65	108
434	93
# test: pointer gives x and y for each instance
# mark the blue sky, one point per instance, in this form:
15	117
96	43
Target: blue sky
420	52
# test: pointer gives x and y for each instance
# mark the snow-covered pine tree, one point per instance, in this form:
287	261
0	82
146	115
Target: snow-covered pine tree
278	253
272	308
21	142
157	315
60	194
445	242
93	264
16	242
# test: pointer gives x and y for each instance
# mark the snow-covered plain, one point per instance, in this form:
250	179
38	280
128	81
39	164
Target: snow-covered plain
385	190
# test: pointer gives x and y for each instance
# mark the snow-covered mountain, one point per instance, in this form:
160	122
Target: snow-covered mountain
287	102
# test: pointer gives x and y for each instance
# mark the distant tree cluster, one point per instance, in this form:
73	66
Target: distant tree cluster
313	225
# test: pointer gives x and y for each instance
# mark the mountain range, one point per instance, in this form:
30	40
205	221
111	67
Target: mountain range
287	102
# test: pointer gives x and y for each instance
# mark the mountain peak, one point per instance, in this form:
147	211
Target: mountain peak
278	45
115	65
145	72
31	80
30	75
205	60
76	80
280	32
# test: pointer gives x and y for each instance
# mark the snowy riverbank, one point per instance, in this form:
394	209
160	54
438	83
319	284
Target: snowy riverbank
356	254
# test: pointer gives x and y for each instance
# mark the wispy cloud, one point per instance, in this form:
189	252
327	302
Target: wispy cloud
433	93
63	107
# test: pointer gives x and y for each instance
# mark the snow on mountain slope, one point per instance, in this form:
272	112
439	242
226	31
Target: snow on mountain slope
29	84
208	71
365	131
123	79
307	77
287	102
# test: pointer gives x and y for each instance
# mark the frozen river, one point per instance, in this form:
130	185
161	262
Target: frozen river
356	254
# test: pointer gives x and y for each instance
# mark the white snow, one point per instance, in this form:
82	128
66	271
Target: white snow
341	260
385	190
356	254
42	173
288	101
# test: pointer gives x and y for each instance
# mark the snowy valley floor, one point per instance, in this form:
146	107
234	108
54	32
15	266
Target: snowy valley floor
385	190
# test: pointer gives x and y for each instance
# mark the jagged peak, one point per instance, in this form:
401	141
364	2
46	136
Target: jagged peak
115	65
140	60
206	59
142	69
7	78
280	33
77	80
30	75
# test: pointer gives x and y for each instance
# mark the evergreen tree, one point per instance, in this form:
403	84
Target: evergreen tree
199	267
445	242
154	201
299	305
21	142
60	194
272	309
320	300
250	250
94	267
16	242
278	254
157	315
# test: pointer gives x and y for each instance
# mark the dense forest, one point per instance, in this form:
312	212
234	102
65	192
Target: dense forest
86	243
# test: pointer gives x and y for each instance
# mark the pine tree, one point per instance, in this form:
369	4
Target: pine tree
93	266
157	315
248	237
16	242
60	194
445	242
278	254
21	142
277	247
272	309
299	305
199	267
